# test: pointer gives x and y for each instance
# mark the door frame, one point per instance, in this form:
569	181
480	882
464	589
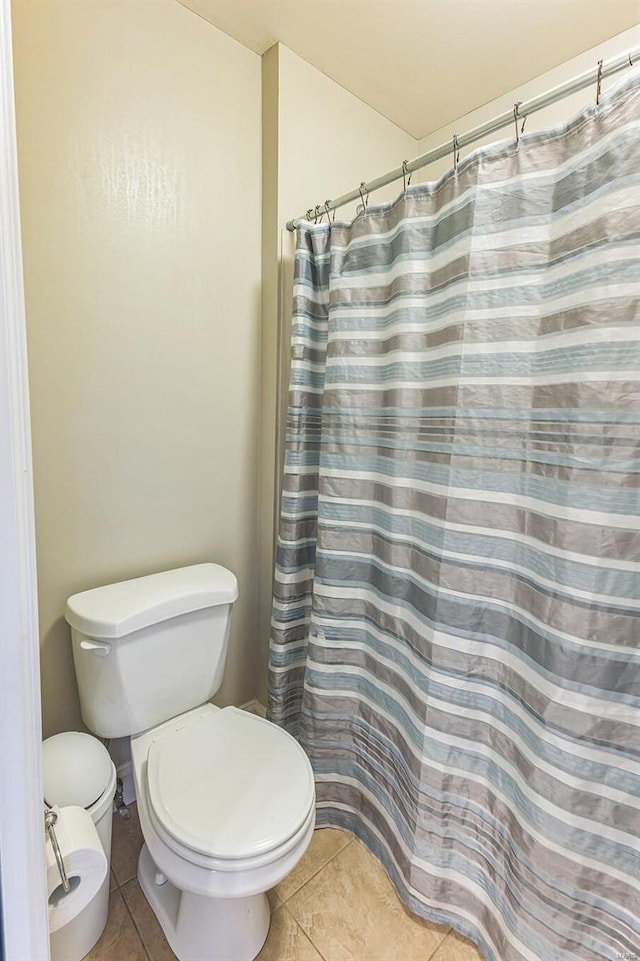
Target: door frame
23	895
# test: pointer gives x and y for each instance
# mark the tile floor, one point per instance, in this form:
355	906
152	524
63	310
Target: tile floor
336	906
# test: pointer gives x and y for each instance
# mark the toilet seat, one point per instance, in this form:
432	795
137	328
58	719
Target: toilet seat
229	790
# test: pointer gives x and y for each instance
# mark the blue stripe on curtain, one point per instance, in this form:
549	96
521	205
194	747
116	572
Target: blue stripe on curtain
456	617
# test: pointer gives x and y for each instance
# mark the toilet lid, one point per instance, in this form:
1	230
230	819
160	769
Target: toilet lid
230	784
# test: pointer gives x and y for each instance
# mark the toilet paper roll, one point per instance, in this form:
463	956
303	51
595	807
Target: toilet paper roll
84	860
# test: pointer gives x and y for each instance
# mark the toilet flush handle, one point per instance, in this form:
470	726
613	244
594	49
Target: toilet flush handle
96	647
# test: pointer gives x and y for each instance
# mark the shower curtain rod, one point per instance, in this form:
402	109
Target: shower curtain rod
519	112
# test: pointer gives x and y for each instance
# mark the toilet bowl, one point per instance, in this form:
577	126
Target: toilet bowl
226	799
227	808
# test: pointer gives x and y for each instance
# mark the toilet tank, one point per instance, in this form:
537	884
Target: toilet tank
148	649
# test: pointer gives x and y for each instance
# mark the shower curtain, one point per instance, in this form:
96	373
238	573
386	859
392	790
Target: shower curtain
456	632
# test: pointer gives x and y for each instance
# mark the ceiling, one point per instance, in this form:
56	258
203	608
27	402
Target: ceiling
423	63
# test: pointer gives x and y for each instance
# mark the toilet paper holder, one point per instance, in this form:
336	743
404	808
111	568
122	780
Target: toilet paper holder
50	818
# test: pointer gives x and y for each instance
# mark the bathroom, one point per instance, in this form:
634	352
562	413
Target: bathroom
162	146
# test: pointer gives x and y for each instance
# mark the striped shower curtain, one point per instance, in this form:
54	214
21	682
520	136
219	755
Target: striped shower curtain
456	618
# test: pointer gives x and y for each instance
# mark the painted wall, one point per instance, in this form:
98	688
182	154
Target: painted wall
319	141
329	141
557	113
139	160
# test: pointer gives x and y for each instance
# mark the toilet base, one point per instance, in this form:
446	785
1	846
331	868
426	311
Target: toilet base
205	929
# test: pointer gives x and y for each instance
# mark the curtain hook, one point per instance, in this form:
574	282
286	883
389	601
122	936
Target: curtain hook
630	60
456	153
516	118
328	212
405	181
365	202
599	82
309	214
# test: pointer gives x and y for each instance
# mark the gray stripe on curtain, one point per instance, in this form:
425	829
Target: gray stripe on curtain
456	615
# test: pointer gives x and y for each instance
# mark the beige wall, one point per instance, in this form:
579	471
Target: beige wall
139	162
319	141
557	113
329	141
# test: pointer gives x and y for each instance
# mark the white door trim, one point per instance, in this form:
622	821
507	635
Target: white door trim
22	871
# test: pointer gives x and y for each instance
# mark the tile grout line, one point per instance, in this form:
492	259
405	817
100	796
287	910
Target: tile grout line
135	926
321	868
302	930
431	954
438	946
121	884
306	933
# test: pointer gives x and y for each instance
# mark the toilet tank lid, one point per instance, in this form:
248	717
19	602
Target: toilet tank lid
119	609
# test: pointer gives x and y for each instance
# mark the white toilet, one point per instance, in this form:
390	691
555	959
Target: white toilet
226	799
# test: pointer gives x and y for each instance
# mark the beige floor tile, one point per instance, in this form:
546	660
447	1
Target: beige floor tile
120	939
126	841
274	900
325	844
456	948
255	707
286	941
146	922
351	912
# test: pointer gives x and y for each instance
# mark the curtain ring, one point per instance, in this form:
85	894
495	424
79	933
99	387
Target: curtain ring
365	202
405	181
318	214
599	82
456	153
